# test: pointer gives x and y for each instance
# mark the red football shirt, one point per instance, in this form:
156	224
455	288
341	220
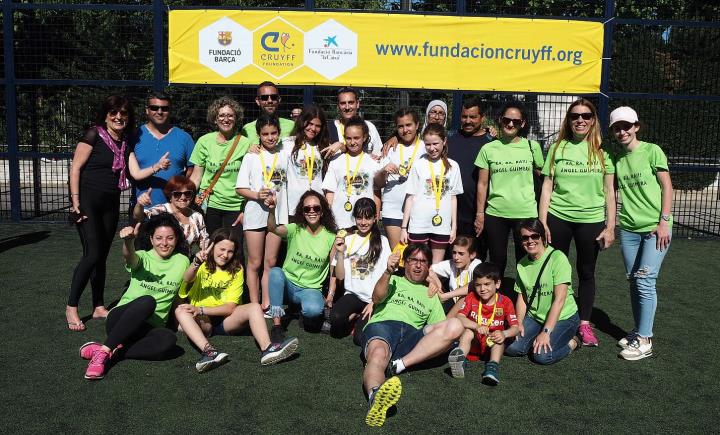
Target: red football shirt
504	318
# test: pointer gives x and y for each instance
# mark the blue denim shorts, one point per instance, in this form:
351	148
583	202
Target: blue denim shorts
401	337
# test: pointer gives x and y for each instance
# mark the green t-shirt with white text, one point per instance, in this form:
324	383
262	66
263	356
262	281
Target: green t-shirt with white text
408	303
640	191
511	191
159	278
250	132
578	194
557	271
210	154
307	260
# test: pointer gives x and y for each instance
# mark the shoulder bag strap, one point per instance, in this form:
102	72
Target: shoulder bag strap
205	193
536	287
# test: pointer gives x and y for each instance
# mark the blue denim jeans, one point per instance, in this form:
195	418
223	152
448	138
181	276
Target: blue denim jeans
400	337
559	338
282	290
642	266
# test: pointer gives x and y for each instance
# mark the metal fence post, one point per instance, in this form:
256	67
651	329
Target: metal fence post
159	53
309	91
11	111
604	100
457	96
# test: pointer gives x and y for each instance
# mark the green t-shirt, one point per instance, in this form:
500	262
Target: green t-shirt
249	131
159	278
557	271
307	260
408	303
578	194
210	154
511	193
640	191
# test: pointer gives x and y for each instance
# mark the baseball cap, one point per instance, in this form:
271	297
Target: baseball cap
623	113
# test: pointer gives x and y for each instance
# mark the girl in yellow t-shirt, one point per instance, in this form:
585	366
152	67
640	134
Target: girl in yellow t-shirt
213	286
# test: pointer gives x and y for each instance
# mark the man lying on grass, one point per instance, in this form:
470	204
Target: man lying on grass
407	327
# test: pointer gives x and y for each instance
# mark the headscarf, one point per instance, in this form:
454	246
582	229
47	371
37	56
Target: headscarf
432	104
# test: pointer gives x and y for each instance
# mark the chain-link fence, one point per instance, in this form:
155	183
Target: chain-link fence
61	58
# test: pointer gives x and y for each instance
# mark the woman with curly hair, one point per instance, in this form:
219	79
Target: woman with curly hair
307	260
224	205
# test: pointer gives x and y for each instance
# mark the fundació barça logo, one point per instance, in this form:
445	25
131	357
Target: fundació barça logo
224	37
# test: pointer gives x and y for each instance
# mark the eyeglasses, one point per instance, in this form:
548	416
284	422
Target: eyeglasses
185	193
271	97
226	116
585	115
156	108
437	113
414	260
507	121
534	237
622	126
122	112
311	209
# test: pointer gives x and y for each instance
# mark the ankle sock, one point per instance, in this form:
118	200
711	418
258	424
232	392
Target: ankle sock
399	366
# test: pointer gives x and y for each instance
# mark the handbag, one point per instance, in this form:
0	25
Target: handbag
201	200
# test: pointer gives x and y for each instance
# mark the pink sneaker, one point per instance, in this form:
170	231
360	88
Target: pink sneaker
587	335
96	368
87	349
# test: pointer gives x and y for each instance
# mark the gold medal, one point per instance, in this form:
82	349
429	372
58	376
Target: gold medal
402	171
348	206
437	220
342	233
489	342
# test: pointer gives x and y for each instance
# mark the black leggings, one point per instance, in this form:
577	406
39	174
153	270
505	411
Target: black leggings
96	235
587	248
216	219
127	325
340	323
496	234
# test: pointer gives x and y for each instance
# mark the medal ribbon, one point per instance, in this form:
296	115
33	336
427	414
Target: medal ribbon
437	184
352	241
267	176
309	161
348	184
412	158
341	132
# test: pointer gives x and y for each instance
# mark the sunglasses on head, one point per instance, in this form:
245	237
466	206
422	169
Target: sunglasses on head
114	112
534	237
156	108
507	121
185	193
311	209
585	115
271	97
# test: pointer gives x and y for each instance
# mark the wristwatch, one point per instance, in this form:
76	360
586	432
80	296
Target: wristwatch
546	330
666	217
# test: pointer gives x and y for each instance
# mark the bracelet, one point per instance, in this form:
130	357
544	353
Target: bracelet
202	311
155	171
403	228
74	194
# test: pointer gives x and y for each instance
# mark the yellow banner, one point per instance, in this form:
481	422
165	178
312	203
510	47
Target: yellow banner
379	50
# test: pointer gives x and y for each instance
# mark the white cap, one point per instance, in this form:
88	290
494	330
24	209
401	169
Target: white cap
623	113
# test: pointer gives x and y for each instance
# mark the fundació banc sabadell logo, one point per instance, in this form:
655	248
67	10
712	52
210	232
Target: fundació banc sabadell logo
278	47
331	49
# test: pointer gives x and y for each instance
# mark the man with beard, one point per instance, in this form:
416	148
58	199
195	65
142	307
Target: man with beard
268	100
407	327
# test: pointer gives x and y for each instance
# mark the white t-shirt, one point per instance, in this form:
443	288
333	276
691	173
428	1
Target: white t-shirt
393	194
297	177
360	275
251	176
374	145
360	187
457	279
419	184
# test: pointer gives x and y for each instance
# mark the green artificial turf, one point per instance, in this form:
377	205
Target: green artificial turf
43	390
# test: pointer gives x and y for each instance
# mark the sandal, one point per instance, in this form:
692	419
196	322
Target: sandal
76	326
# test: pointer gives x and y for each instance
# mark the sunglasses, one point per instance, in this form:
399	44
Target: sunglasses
507	121
534	237
585	115
271	97
311	209
156	108
185	193
114	112
622	126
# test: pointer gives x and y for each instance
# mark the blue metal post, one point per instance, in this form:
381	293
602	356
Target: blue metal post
309	91
11	112
457	96
159	52
604	100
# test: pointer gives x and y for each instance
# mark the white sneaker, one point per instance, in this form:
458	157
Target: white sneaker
625	341
637	349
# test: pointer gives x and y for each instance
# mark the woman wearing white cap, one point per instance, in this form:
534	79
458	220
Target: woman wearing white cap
643	181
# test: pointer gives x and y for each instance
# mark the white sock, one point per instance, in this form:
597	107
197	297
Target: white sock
399	366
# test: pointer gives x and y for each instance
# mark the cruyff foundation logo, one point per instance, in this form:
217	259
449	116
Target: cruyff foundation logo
278	47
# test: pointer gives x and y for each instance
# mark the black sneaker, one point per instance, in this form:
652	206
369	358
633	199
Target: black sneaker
277	334
210	359
491	375
277	352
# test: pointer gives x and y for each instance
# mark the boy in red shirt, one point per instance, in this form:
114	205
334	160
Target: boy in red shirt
484	336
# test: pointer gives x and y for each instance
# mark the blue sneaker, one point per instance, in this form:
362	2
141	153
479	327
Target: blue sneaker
386	396
491	375
277	352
